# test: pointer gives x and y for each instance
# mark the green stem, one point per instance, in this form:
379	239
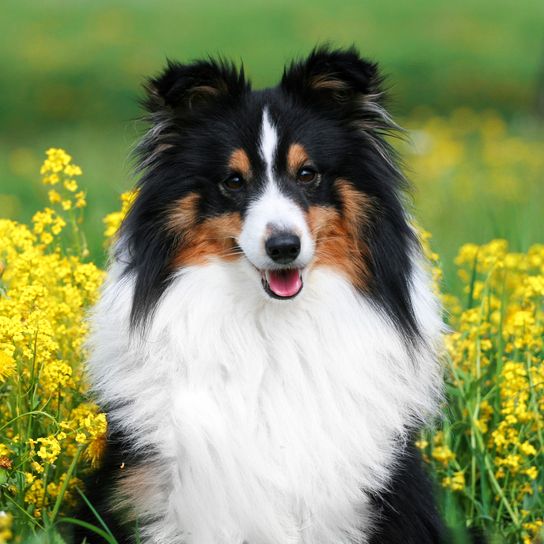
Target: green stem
494	482
33	519
62	491
31	413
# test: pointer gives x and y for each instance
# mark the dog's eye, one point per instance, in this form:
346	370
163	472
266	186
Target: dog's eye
306	175
234	182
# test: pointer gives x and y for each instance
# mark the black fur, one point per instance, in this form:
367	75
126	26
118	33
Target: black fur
407	512
98	487
332	102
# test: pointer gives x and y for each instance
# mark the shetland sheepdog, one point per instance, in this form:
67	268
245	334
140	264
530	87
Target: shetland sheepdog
266	345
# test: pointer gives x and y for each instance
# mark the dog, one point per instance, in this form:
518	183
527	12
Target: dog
267	342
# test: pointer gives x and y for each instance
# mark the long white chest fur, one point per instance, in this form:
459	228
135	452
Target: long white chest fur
267	422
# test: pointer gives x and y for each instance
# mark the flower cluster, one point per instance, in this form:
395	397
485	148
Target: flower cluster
476	177
6	520
467	150
113	220
58	170
48	433
491	450
488	453
67	201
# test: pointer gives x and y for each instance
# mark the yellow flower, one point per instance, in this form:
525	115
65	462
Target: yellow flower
58	225
51	179
467	254
494	354
54	196
46	238
49	449
72	170
81	201
527	448
6	522
7	367
422	444
455	482
56	375
37	467
70	185
44	299
95	449
56	160
443	454
113	220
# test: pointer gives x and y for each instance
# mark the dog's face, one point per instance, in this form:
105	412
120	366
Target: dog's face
287	179
273	191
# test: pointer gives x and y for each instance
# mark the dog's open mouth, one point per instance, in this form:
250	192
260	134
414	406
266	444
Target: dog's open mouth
282	284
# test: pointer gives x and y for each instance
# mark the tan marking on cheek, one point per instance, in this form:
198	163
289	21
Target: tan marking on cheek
183	213
213	237
296	158
239	162
337	235
198	241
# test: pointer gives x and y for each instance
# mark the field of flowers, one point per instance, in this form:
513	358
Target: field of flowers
486	453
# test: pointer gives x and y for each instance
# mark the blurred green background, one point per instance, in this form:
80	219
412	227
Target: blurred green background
467	79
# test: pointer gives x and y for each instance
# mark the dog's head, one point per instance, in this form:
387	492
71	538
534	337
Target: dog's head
287	179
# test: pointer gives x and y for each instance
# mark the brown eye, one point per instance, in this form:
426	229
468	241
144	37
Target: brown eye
234	182
306	175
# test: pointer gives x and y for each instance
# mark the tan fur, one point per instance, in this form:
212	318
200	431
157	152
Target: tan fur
214	237
296	158
239	162
183	213
198	241
328	82
133	485
338	243
204	93
208	89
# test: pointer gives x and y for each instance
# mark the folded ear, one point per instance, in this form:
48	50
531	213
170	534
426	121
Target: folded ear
189	86
339	77
178	92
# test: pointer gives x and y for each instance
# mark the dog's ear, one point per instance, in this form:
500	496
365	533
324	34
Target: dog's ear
192	86
179	92
337	77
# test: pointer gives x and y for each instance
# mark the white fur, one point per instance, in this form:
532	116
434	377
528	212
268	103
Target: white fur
272	420
268	143
273	211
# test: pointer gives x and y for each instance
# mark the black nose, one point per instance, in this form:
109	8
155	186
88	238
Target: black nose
283	248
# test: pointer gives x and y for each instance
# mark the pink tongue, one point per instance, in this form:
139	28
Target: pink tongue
284	283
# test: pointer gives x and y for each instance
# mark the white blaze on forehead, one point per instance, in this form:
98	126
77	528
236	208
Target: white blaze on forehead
273	210
268	143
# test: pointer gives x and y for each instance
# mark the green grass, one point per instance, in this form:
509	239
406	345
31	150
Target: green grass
65	62
71	74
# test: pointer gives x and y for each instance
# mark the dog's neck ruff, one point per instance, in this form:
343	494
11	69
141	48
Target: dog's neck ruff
266	422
